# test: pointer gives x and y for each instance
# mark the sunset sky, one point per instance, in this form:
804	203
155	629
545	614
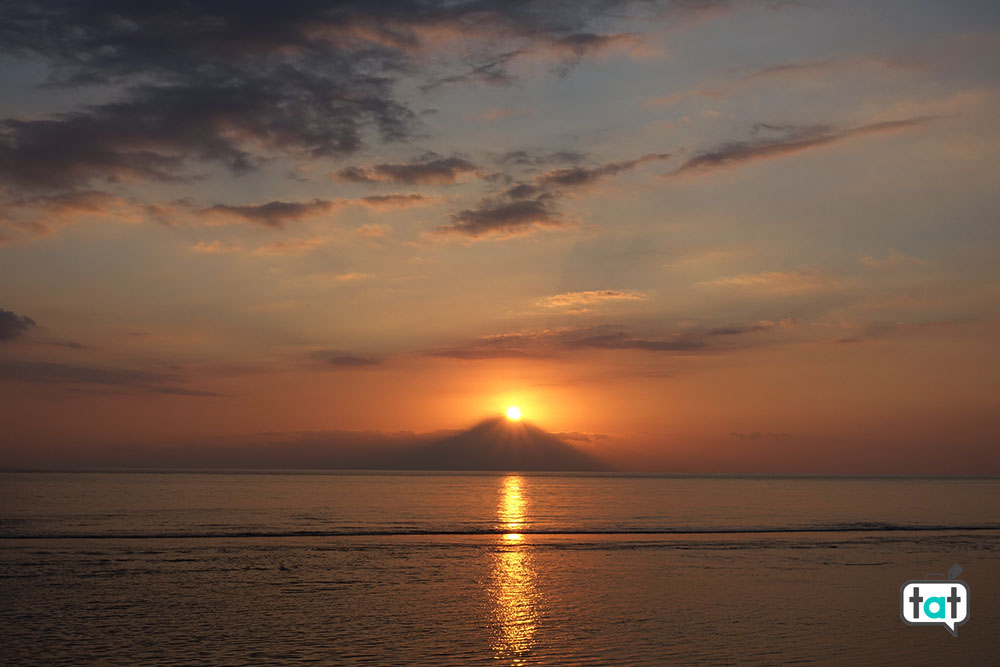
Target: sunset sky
698	236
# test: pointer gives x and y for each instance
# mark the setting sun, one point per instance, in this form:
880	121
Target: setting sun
514	413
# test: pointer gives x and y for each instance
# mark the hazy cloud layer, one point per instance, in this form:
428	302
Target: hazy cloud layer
339	358
69	375
553	343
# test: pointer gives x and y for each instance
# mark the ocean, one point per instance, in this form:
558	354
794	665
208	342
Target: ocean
374	568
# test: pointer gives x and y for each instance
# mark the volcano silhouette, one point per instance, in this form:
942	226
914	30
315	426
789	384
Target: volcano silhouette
499	444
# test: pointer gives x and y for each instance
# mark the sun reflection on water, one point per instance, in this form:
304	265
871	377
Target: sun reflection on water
512	579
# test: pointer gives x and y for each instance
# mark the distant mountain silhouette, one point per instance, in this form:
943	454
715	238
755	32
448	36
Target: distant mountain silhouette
499	444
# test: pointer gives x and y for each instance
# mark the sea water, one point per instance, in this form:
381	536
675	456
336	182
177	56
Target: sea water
352	568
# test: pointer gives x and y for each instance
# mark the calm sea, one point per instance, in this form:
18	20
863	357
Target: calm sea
492	569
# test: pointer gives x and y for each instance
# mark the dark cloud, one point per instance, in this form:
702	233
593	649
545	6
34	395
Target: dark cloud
585	43
781	140
126	379
571	49
504	216
235	83
491	71
236	120
337	358
13	325
522	207
621	341
526	158
554	343
581	176
271	214
73	203
428	169
738	330
393	201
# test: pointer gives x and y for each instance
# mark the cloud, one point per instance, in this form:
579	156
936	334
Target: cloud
504	217
583	176
525	206
428	169
286	247
757	435
572	49
894	259
738	330
75	203
578	301
39	215
784	74
271	214
554	343
756	327
502	113
215	247
498	346
790	281
622	341
535	158
344	360
393	201
237	84
785	140
13	325
491	70
133	380
236	120
277	214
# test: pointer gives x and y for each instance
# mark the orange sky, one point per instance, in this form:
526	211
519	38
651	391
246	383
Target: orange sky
755	239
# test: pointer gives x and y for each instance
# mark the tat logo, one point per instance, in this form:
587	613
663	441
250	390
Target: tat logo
936	601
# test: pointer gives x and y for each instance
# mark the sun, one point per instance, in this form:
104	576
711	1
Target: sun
514	413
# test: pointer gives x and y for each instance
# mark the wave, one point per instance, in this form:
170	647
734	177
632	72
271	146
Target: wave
864	527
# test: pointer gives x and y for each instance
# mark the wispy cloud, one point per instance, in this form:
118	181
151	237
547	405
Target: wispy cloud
69	375
583	176
287	247
780	141
215	247
894	259
581	301
784	74
337	358
393	201
428	169
555	343
786	281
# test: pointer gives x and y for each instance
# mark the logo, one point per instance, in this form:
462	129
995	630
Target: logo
941	601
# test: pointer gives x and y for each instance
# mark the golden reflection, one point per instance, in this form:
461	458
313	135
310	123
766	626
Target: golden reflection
512	586
510	510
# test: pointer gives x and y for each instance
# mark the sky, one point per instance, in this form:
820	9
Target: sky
699	236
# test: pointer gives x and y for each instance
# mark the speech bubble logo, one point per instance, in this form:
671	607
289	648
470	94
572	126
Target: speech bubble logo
935	602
